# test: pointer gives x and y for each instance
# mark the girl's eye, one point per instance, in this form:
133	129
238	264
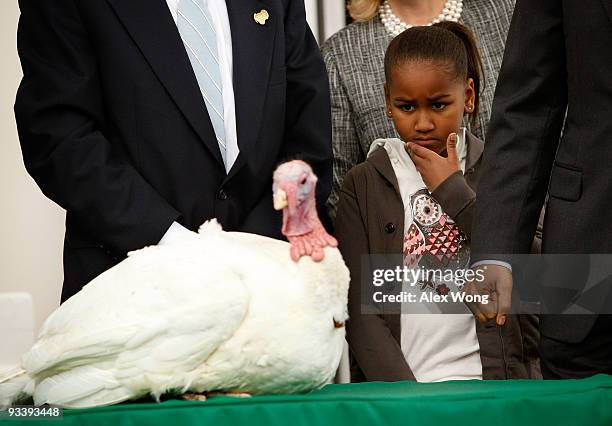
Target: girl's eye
438	106
407	108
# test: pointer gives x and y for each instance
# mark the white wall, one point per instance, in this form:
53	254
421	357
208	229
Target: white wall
311	16
333	17
31	226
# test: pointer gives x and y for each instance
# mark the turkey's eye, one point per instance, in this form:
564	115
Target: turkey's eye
303	181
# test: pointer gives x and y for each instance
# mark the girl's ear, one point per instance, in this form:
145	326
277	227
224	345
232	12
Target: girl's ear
470	96
387	101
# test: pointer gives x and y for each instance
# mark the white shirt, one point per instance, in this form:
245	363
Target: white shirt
218	11
437	346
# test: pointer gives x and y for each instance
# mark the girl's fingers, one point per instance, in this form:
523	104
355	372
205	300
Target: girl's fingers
451	148
418	155
418	151
420	163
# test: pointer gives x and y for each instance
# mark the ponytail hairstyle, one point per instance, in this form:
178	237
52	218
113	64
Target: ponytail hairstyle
448	42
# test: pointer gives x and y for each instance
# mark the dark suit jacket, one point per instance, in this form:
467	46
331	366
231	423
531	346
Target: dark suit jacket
114	129
370	219
556	60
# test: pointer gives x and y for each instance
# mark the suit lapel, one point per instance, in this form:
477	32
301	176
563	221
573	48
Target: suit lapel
151	26
252	46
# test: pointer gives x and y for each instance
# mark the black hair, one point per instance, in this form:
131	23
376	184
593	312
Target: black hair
445	41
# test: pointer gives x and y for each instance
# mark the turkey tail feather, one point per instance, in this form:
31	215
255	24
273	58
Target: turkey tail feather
15	385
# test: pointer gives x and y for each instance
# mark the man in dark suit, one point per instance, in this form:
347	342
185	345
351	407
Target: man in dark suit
556	62
117	122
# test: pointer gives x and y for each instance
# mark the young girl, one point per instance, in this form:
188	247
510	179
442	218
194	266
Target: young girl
415	197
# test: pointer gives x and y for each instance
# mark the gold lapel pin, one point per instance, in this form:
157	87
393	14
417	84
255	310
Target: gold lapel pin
261	17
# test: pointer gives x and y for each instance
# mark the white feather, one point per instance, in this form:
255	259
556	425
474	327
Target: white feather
14	384
225	311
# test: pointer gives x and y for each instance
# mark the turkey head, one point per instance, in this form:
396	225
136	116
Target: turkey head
294	193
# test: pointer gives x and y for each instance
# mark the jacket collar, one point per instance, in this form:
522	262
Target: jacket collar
380	160
474	151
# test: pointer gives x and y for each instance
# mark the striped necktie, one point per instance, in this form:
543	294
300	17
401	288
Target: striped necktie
195	26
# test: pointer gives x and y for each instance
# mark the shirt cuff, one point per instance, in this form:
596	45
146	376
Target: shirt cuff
492	262
175	232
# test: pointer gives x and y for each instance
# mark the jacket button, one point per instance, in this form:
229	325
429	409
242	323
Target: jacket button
389	228
222	195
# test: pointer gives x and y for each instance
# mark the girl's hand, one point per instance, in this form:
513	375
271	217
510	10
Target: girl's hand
435	169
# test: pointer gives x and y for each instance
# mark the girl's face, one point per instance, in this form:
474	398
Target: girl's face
427	102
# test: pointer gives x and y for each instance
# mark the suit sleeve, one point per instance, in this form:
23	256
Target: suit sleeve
345	142
63	133
307	115
527	116
370	340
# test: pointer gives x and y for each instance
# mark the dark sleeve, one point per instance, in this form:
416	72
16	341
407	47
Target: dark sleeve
457	200
527	116
307	115
60	117
376	351
536	246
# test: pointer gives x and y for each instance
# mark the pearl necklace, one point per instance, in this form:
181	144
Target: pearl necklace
394	25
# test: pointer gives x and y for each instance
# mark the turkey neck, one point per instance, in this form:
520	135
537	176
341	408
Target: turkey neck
300	219
304	230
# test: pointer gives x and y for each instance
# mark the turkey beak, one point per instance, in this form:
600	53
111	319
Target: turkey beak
280	199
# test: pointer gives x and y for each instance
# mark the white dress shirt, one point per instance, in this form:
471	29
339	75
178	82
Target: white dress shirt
218	11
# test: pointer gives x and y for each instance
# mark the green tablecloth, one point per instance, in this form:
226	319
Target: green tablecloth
491	403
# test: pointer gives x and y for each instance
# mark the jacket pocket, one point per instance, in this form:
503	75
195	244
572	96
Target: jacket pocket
565	182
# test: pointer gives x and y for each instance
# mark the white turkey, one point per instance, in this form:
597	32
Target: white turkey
223	311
